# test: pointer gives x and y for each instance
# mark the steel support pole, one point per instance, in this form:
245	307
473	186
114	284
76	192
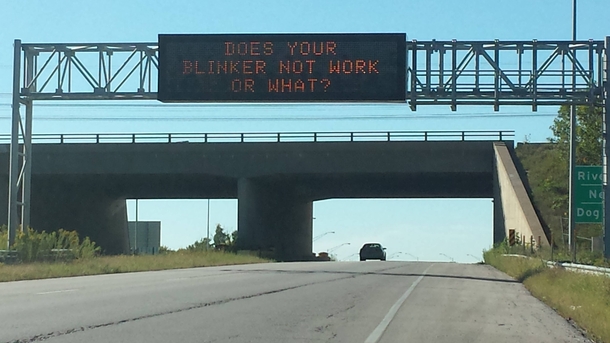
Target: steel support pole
13	189
572	179
27	168
573	144
135	230
606	161
574	20
28	73
208	227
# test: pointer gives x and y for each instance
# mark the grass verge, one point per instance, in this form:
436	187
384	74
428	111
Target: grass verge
122	264
583	298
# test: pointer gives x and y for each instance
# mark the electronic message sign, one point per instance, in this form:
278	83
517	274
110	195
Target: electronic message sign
281	67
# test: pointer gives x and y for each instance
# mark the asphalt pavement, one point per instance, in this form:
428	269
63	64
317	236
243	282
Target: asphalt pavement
367	302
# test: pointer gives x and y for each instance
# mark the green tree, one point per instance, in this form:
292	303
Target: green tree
200	245
165	250
588	134
234	238
588	152
548	176
220	237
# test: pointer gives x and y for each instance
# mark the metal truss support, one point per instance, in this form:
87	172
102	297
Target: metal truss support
26	166
20	164
122	71
504	73
13	204
440	72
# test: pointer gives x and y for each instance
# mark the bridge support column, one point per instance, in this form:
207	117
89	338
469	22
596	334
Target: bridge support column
85	207
274	220
294	230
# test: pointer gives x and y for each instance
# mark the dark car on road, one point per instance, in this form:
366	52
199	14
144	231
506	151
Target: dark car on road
372	251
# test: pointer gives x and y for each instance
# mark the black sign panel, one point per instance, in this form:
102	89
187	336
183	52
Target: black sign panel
282	67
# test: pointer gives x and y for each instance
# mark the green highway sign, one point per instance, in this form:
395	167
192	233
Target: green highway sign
588	194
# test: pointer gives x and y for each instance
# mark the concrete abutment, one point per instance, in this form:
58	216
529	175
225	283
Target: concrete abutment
513	208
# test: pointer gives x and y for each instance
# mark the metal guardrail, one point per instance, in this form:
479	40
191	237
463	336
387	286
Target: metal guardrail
580	268
257	137
11	256
8	256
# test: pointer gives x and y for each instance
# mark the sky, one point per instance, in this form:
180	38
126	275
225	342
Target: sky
432	230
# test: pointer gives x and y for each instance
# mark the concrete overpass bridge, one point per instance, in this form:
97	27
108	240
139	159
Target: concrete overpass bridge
80	182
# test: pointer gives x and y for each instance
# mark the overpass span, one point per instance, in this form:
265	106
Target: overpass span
82	186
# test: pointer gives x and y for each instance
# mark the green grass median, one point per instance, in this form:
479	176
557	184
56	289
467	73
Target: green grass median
122	264
582	298
42	255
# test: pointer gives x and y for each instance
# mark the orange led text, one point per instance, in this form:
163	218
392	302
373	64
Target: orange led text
223	67
248	48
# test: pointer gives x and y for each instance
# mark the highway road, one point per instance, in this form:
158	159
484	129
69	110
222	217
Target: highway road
284	302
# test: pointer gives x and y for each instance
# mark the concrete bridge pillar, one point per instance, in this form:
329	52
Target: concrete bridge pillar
275	219
85	207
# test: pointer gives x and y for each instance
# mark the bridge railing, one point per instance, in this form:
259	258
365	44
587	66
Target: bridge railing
257	137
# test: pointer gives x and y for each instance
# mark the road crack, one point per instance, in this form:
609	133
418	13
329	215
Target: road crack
46	336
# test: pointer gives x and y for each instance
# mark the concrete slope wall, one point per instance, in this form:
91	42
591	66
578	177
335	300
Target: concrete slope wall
513	207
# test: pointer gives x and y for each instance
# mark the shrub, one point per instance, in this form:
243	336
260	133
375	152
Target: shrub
3	237
165	250
200	245
61	245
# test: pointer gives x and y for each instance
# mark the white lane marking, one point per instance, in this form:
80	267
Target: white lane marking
53	292
380	329
195	277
